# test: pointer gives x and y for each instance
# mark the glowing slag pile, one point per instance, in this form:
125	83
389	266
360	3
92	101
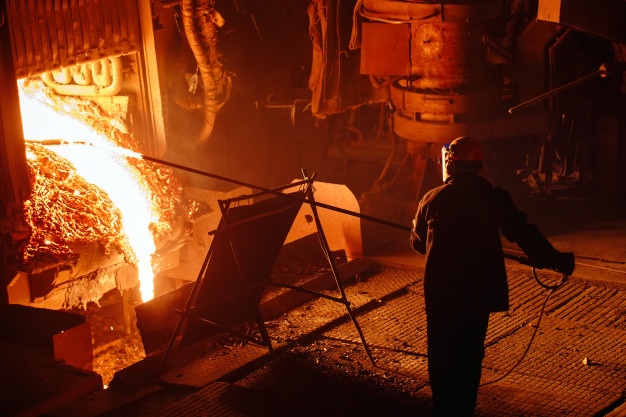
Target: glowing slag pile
85	190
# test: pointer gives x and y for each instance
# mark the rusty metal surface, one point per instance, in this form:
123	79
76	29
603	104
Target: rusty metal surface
48	35
386	49
493	128
14	183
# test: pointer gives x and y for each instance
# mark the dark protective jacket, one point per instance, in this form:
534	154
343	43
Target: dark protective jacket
458	226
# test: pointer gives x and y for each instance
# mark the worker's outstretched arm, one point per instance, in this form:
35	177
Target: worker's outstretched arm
516	229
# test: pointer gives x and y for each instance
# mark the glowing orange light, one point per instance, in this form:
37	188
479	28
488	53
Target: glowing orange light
101	163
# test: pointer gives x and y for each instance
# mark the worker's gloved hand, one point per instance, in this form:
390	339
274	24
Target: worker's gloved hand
564	263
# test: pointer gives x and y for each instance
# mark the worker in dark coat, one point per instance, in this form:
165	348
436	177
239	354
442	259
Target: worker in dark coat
458	227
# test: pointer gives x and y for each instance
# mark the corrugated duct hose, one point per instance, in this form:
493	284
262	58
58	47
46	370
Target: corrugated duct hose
201	22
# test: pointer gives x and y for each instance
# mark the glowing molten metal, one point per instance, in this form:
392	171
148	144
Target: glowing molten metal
86	190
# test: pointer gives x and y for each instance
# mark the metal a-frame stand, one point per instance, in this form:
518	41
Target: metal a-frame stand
231	281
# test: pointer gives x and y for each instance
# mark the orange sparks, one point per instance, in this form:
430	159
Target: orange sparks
93	158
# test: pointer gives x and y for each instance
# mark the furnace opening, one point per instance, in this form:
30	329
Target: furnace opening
100	221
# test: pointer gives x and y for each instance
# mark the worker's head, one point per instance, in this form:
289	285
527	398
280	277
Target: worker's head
463	154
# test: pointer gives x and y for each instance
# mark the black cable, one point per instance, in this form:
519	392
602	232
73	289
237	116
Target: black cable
552	289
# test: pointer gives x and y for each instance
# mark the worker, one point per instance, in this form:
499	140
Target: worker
457	226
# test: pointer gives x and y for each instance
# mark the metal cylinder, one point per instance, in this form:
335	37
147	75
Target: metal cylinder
447	82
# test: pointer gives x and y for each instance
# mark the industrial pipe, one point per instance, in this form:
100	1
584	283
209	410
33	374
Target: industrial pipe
62	86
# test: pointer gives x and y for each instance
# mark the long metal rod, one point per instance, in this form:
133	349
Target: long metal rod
335	271
308	291
511	254
602	72
275	192
314	203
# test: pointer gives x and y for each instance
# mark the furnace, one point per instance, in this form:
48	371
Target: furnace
363	92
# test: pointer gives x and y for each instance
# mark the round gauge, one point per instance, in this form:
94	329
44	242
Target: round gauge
428	40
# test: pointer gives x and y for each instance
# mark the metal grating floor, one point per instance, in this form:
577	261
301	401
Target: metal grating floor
582	320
